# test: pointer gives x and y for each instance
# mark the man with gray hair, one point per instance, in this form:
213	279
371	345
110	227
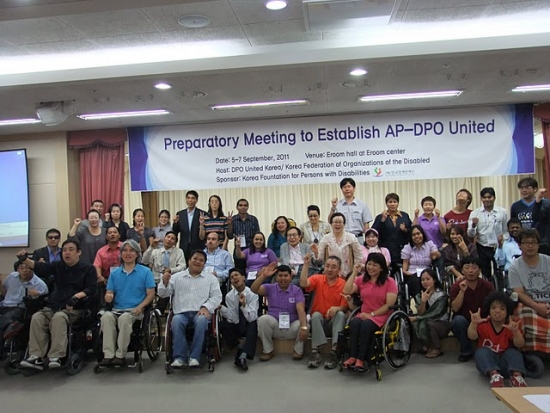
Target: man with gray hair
130	288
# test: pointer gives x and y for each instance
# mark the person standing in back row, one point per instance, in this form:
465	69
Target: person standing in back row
244	226
186	223
357	213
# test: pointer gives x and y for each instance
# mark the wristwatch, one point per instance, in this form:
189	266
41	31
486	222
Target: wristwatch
372	313
304	328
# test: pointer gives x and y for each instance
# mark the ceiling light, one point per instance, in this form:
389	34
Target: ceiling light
358	72
418	95
194	21
261	105
113	115
163	86
531	88
276	4
9	122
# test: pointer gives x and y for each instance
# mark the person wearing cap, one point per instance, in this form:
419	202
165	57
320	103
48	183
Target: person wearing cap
371	245
130	289
20	283
357	213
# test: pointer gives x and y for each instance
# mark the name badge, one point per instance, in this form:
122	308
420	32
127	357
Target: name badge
112	269
284	321
243	241
296	268
252	275
209	269
419	272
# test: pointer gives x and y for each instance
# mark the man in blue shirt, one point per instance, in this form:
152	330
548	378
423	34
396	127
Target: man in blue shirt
12	309
130	289
218	260
509	250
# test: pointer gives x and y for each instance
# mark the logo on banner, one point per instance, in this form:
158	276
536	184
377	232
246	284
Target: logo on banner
378	172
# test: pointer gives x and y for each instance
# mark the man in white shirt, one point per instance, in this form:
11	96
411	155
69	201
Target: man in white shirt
240	313
357	213
195	295
169	258
488	224
218	260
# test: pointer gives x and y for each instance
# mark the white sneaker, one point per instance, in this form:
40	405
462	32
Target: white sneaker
194	363
33	362
178	363
54	363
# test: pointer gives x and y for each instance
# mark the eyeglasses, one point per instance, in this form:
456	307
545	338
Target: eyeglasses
54	236
292	235
526	187
529	243
313	216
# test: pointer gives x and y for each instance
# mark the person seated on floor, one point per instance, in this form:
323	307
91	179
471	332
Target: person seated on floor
130	289
327	309
432	320
499	338
73	281
240	314
529	277
169	258
378	293
293	253
371	245
467	295
509	250
12	308
195	295
286	313
218	260
51	252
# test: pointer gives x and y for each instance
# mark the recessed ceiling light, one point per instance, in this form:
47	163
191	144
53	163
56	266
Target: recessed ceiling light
163	86
261	105
531	88
358	72
276	4
194	21
113	115
9	122
417	95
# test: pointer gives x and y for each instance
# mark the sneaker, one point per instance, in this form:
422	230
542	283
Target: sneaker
33	362
332	361
178	363
297	356
54	363
465	357
193	363
496	380
315	360
517	380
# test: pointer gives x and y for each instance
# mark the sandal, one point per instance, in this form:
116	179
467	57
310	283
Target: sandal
433	353
359	366
423	350
349	363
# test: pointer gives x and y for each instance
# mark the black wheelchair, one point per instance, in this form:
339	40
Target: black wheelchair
146	336
212	348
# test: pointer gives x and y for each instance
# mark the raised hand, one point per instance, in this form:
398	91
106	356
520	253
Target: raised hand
463	286
402	227
384	215
107	217
201	219
476	317
315	249
140	228
176	219
416	212
334	203
229	217
426	295
77	221
437	212
357	268
307	260
475	221
512	325
155	242
541	194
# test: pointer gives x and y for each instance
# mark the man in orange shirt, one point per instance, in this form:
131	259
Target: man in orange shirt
327	310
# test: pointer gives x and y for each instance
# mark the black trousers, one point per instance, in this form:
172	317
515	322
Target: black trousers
7	316
486	257
361	334
232	332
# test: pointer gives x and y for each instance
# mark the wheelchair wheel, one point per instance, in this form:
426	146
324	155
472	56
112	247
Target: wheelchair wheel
12	367
397	340
140	366
153	336
534	366
75	364
216	336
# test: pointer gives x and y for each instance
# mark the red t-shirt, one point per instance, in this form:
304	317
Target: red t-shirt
453	218
498	342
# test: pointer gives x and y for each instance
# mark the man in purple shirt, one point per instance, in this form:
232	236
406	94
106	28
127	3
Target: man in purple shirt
286	315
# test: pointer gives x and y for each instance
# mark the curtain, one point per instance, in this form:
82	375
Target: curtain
102	163
542	112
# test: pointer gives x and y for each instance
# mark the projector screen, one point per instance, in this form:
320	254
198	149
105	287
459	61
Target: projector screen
14	193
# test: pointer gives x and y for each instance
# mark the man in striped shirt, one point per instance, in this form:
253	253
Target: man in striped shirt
242	225
195	295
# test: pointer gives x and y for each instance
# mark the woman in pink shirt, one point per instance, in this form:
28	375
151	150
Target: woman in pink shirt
371	245
378	293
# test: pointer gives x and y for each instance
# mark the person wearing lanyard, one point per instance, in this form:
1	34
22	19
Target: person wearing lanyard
314	230
286	314
357	213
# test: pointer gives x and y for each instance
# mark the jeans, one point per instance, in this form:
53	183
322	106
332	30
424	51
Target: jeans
181	347
506	364
459	327
361	334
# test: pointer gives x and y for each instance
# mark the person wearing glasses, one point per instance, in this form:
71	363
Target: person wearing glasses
523	209
314	230
293	254
51	252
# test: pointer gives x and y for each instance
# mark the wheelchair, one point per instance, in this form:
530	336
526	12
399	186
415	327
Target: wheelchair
146	336
212	348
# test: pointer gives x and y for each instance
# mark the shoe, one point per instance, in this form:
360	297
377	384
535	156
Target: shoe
297	356
267	356
241	364
118	362
315	360
105	362
332	361
178	363
14	328
359	366
194	363
433	353
496	380
33	362
465	357
54	363
517	380
349	363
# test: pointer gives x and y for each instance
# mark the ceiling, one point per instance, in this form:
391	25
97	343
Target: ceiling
107	55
